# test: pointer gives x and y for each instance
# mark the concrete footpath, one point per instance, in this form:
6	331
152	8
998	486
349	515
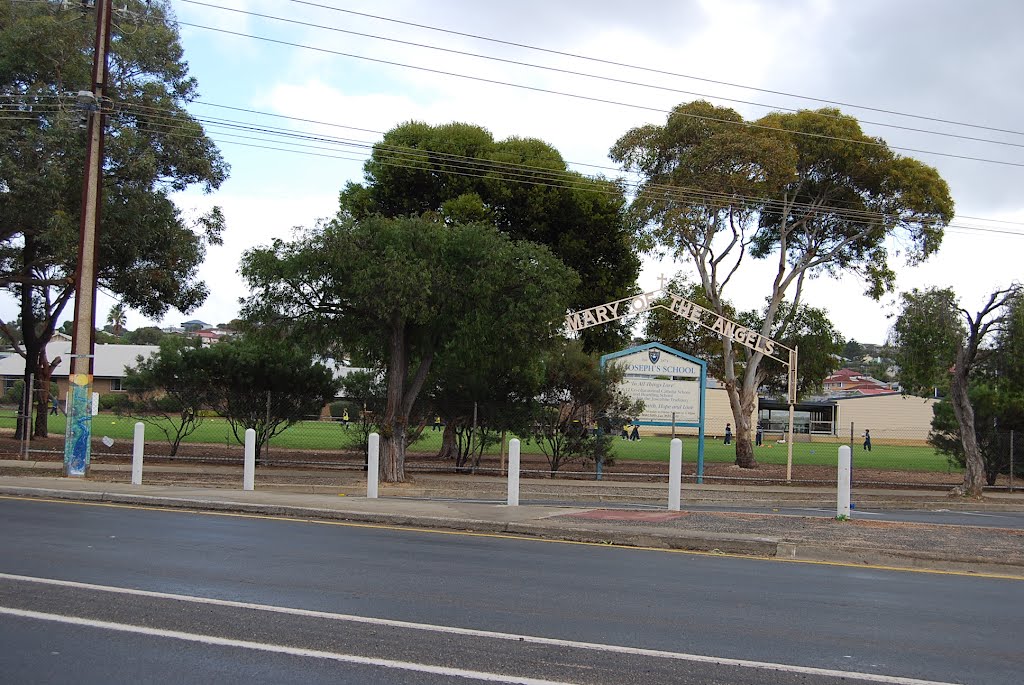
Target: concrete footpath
340	496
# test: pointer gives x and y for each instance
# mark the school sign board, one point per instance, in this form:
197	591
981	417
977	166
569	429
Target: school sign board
671	385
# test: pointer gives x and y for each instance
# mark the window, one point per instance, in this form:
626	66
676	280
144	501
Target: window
115	385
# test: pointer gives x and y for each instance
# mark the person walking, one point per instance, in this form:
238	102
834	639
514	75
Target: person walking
759	436
867	440
54	406
437	424
728	434
635	435
344	418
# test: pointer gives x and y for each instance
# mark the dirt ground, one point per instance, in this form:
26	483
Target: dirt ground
533	466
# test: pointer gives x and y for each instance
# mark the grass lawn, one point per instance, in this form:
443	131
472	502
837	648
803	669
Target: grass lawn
902	457
328	435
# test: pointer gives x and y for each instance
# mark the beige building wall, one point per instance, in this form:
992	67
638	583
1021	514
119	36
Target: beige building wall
892	419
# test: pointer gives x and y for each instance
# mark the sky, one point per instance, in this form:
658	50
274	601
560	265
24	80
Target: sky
916	64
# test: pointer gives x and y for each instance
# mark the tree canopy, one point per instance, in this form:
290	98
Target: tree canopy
941	345
262	382
149	254
523	187
808	190
397	294
168	391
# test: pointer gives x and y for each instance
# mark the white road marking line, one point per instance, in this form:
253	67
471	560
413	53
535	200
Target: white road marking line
282	649
618	649
854	513
991	516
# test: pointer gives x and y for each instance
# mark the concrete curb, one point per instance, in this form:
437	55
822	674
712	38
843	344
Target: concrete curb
921	561
698	541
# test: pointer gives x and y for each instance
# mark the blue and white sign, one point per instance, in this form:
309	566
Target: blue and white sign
671	384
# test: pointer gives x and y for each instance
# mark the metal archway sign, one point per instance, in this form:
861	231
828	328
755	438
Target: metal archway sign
702	316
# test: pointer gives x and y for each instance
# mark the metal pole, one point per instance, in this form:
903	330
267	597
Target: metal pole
1011	460
78	438
792	405
675	473
266	445
474	438
138	449
26	415
513	472
501	453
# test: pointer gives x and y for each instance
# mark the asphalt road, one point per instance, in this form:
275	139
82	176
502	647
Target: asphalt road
103	594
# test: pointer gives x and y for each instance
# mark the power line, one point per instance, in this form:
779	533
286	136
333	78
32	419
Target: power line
588	98
592	76
676	192
656	71
413	159
511	171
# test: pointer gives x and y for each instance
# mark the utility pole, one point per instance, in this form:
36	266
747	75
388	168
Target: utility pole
78	438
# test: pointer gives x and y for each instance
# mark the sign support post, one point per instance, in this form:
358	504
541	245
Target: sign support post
792	405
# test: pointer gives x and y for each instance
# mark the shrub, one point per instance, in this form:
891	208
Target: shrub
115	401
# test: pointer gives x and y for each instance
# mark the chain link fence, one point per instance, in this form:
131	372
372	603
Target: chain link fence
473	438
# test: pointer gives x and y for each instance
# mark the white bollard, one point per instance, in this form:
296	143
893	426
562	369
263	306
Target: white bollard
138	448
675	473
373	466
843	496
513	472
249	471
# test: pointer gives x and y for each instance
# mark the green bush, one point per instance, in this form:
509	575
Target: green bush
16	394
115	401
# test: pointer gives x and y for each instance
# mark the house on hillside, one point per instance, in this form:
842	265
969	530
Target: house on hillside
109	366
207	337
849	383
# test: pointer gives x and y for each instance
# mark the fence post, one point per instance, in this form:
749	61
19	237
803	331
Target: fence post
372	466
843	480
1011	460
26	420
675	473
249	469
138	448
266	445
513	472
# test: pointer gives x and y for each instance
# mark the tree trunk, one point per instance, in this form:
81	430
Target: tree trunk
974	473
449	447
742	402
44	372
392	447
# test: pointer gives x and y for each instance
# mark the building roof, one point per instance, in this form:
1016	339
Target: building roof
850	382
110	362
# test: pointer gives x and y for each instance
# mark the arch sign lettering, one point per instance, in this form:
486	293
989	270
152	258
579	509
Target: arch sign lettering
691	311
